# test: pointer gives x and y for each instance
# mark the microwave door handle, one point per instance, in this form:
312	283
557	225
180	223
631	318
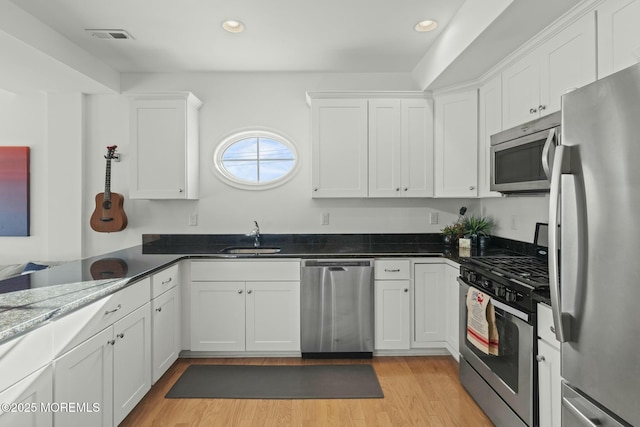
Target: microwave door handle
548	153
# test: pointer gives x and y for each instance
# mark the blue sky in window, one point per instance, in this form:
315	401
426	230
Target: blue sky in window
258	159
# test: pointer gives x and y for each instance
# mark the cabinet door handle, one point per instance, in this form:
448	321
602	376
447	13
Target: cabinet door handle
471	187
397	189
164	282
249	291
180	190
540	358
392	270
406	189
315	189
111	342
406	289
120	335
239	291
542	107
114	310
159	309
552	329
533	110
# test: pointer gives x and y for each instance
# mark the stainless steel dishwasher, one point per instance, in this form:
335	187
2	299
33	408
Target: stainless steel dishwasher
337	308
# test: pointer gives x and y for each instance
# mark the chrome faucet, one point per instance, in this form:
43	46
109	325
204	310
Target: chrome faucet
255	233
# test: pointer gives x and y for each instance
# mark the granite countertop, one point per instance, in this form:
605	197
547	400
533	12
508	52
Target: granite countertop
30	300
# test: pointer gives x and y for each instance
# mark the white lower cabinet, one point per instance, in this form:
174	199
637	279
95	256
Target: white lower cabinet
103	358
392	305
241	312
165	329
109	373
428	305
131	361
452	302
30	398
85	375
245	316
549	379
26	378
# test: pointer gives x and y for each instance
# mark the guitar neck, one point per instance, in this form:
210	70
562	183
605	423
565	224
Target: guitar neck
107	181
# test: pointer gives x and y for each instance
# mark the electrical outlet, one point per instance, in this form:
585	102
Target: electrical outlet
433	217
325	218
515	222
193	219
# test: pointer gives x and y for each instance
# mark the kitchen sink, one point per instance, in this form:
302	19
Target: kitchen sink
250	250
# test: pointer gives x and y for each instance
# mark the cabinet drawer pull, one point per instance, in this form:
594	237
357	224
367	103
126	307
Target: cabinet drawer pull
542	107
114	310
552	329
120	335
540	358
239	291
180	190
533	110
392	270
164	282
111	342
159	309
406	289
249	291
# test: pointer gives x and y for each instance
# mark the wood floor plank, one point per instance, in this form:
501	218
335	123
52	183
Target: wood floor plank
419	391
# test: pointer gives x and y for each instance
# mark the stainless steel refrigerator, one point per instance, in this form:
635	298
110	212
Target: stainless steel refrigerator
594	251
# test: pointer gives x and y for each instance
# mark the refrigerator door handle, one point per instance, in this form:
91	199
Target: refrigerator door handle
560	162
548	153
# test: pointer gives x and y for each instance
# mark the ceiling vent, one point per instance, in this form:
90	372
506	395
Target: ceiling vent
110	34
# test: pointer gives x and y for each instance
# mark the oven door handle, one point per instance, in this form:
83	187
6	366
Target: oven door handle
499	305
508	309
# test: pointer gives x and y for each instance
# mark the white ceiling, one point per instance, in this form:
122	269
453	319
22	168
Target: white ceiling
285	35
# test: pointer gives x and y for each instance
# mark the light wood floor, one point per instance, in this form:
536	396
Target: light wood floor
418	391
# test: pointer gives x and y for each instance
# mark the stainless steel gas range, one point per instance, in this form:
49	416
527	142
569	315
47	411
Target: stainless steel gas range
504	385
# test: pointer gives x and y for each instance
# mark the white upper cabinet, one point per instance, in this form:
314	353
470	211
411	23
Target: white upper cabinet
533	86
490	117
400	148
164	146
339	147
618	35
456	144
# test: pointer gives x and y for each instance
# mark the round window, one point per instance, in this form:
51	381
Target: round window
255	159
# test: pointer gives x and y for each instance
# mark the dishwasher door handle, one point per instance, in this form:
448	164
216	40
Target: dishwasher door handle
337	269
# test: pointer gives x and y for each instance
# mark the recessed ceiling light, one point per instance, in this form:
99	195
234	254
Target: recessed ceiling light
424	26
233	26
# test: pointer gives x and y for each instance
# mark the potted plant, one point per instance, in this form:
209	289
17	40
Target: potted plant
477	228
451	233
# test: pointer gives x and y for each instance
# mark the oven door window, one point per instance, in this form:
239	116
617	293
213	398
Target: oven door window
521	163
506	364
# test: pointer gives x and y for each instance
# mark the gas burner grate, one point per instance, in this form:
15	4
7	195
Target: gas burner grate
530	270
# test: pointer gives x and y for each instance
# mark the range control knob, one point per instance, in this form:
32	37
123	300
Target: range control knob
471	276
486	283
510	295
500	291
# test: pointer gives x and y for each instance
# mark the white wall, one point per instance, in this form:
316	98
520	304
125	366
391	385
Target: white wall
24	124
234	101
231	102
516	216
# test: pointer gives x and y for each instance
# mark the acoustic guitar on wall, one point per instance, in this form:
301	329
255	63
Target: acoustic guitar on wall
109	215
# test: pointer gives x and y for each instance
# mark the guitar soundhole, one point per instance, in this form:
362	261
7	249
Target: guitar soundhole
106	204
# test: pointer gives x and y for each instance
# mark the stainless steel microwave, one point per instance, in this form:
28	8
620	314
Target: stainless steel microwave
521	157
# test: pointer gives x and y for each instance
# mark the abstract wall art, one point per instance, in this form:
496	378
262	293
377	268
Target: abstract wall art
14	191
